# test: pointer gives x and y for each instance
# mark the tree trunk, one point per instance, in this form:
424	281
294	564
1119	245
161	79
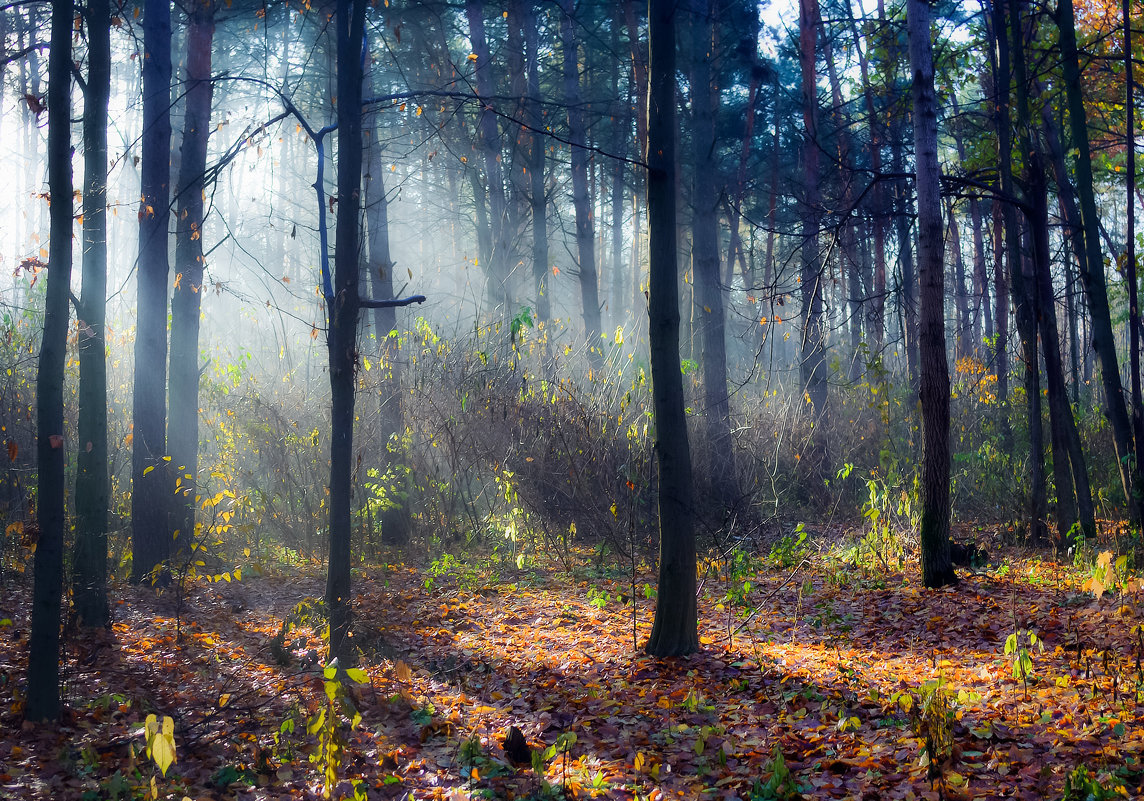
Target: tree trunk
343	312
43	699
1134	331
89	583
813	365
1092	268
497	268
537	193
395	520
705	260
183	437
150	476
937	569
1003	217
675	630
581	199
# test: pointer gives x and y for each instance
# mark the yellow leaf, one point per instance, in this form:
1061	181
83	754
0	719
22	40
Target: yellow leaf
472	56
223	700
148	469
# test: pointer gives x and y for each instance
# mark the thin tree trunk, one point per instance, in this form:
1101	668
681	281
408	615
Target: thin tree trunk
813	364
538	198
937	569
151	486
43	698
581	199
675	629
1134	329
497	266
705	259
1092	268
183	438
395	519
89	582
343	312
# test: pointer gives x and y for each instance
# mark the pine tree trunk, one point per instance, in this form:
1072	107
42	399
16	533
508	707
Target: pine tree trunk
89	582
43	698
675	630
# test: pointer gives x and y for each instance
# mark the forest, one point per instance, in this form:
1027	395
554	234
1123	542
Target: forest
541	399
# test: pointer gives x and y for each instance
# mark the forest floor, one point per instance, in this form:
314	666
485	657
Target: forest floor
836	687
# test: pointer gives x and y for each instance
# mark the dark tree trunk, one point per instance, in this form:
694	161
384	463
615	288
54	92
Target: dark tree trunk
1092	268
343	312
813	365
151	486
395	520
705	259
537	192
183	434
1134	330
1022	275
937	569
963	327
1004	217
43	699
675	630
497	269
581	199
89	581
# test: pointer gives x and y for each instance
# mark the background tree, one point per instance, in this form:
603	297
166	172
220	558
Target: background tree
150	476
92	488
43	700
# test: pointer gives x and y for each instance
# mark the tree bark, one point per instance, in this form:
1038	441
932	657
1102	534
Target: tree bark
395	520
813	365
1092	268
1134	328
43	699
497	267
538	198
581	199
675	630
937	568
150	477
705	260
343	320
89	582
183	436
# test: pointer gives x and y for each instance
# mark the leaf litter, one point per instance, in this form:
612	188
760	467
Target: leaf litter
857	685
